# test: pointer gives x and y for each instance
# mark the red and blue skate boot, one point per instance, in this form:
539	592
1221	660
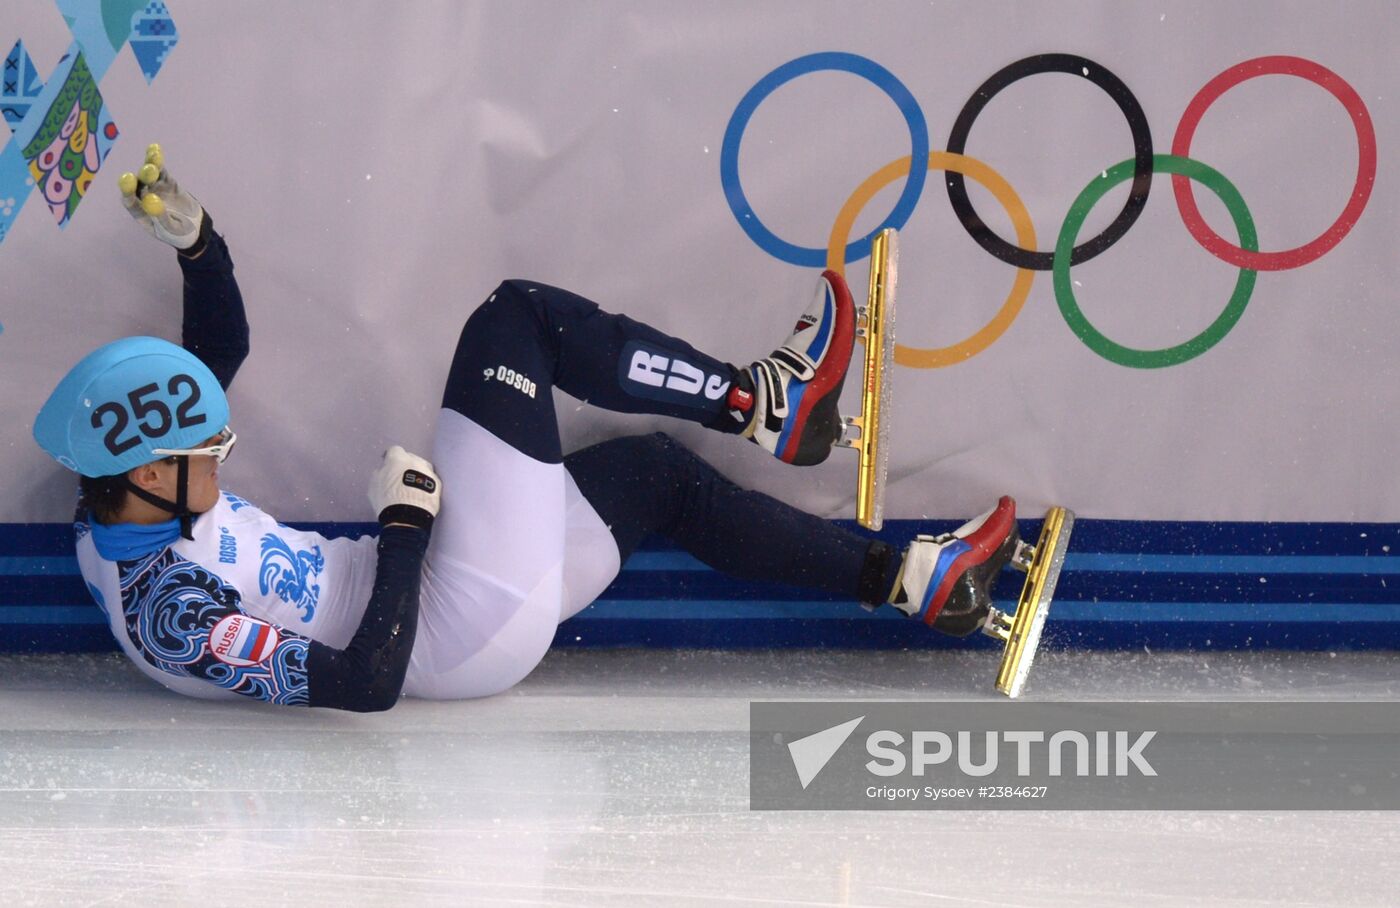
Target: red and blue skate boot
788	398
946	580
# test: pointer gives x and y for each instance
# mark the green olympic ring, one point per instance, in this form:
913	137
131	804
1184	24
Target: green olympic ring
1095	339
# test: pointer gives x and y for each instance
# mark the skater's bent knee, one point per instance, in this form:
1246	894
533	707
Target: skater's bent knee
506	315
658	452
506	296
660	441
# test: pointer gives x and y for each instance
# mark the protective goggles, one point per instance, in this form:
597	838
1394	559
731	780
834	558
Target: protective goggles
223	444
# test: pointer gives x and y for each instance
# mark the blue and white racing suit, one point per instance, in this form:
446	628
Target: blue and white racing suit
525	538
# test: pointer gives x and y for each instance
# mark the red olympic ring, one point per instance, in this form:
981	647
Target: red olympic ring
1324	78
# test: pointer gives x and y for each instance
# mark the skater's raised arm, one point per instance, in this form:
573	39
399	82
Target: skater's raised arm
214	325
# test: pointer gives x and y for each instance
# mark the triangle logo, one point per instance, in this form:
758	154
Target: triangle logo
811	754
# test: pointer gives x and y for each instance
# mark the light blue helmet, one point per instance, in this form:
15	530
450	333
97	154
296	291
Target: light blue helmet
126	399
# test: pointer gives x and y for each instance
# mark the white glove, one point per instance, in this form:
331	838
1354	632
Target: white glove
405	489
153	198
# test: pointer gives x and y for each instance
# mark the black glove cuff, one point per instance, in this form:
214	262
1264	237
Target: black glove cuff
206	228
406	513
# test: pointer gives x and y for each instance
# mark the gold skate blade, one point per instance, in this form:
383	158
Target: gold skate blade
1034	604
878	326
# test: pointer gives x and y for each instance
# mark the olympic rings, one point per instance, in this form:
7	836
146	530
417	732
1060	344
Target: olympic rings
867	69
1170	356
1365	163
1245	256
1020	220
1142	158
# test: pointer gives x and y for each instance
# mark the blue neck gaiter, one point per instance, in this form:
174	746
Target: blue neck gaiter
128	541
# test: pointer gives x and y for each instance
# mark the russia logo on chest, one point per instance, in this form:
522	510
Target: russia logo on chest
240	640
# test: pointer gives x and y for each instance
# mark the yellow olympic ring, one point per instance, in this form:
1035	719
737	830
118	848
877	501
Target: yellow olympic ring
937	357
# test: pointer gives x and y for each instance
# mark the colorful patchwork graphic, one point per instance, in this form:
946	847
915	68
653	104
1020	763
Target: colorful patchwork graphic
20	85
100	27
63	129
72	142
15	186
152	36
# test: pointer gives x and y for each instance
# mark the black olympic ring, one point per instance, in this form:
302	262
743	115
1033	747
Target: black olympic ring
1142	158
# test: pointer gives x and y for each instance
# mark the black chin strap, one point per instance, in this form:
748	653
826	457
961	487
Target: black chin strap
180	508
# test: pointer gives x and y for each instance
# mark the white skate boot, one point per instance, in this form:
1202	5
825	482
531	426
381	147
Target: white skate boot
945	580
788	398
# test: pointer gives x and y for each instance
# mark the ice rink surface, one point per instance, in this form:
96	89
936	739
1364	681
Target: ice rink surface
619	778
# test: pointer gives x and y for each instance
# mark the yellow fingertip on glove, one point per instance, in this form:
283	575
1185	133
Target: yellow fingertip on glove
159	204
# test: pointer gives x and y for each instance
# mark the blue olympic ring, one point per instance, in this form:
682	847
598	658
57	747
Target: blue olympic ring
881	78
